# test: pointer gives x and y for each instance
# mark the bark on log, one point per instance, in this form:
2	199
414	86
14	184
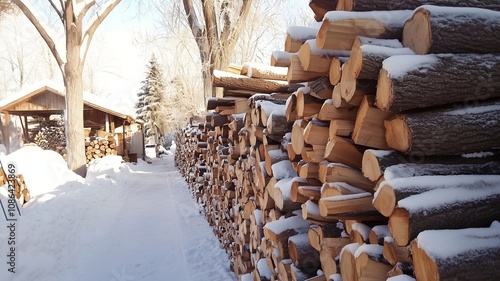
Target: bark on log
370	5
476	246
339	30
434	29
367	55
474	210
233	81
392	191
321	7
375	162
433	80
445	131
321	88
303	255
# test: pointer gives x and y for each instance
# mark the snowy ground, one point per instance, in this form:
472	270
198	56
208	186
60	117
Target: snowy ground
123	222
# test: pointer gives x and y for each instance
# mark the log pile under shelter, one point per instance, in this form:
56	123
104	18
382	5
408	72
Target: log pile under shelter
375	158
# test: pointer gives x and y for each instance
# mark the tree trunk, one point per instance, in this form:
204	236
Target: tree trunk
74	102
445	131
482	250
434	30
437	80
370	5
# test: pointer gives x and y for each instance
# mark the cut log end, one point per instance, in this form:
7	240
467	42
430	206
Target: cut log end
370	166
417	32
385	200
398	134
384	91
427	268
399	225
335	73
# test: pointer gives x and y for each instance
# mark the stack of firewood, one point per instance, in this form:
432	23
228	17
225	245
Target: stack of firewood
376	155
96	148
52	136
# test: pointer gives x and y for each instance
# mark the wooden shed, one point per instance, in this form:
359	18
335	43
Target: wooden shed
40	103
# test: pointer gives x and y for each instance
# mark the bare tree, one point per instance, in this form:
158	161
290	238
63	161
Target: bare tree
71	14
216	32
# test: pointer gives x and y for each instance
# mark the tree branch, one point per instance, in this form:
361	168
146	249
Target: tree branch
194	23
85	9
229	41
58	8
43	32
96	20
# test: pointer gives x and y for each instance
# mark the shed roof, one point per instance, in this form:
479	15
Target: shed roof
89	99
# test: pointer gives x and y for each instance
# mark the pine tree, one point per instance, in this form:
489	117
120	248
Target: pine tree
150	96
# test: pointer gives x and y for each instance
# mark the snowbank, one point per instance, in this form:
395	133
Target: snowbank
107	167
43	170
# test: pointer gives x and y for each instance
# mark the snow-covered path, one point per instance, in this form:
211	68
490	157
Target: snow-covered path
134	225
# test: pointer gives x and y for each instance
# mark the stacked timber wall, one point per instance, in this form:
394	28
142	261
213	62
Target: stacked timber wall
367	150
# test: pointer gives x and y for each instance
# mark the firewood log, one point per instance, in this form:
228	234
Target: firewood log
369	127
296	36
342	150
367	55
302	254
338	29
297	74
392	191
335	172
434	29
329	112
340	128
441	254
375	162
370	264
321	88
233	81
417	213
262	71
335	71
316	132
403	88
395	254
315	59
347	262
445	131
367	5
280	58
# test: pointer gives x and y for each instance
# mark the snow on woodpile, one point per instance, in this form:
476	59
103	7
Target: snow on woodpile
325	52
386	51
399	66
301	33
390	43
391	19
296	223
43	170
283	169
463	15
445	244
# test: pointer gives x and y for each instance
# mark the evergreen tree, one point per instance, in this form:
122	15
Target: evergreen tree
150	96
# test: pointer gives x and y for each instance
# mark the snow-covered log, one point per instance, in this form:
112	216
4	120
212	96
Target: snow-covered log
296	36
442	254
339	29
367	55
391	191
315	59
445	131
419	81
370	263
303	255
444	208
375	162
263	71
234	81
435	29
